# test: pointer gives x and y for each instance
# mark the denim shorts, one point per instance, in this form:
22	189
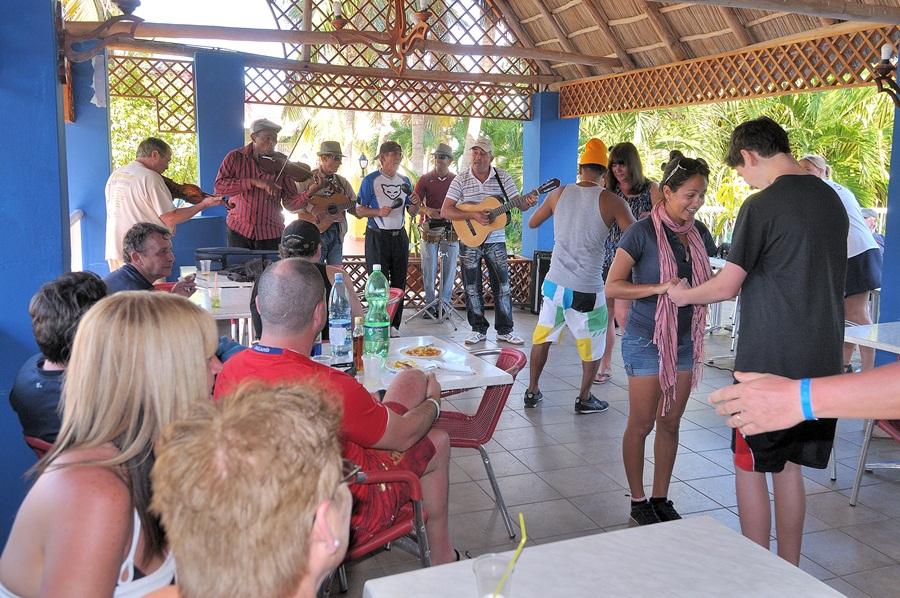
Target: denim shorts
641	356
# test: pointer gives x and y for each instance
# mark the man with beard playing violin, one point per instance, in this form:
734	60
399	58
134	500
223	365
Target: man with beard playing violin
257	196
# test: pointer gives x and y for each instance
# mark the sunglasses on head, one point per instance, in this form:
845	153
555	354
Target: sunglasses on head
688	165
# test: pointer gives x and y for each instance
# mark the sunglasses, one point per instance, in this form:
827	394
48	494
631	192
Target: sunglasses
332	157
351	473
687	165
442	156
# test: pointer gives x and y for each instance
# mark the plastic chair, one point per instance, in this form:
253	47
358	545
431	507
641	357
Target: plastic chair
474	431
407	529
394	297
39	446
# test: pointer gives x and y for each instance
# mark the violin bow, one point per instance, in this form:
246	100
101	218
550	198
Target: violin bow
288	157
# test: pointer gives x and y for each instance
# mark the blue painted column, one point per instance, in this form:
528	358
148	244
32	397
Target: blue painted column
89	161
889	310
34	246
219	96
550	150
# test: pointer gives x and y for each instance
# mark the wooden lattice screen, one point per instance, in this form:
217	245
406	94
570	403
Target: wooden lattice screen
454	22
170	83
842	60
297	88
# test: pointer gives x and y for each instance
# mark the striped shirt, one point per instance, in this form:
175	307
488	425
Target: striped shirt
466	188
256	213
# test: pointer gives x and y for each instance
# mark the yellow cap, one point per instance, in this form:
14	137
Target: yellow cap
595	152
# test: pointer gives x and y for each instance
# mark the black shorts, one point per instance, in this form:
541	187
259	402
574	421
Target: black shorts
863	273
808	443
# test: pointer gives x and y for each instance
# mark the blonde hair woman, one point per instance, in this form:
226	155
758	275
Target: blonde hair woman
139	361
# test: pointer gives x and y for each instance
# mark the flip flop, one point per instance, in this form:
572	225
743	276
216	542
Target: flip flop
602	378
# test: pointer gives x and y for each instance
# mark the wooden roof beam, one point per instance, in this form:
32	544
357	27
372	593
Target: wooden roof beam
740	32
830	9
512	21
677	50
602	23
564	41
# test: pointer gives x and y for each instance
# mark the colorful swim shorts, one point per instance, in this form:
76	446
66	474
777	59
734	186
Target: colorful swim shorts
584	313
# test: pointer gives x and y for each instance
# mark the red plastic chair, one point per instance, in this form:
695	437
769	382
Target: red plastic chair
474	431
394	297
407	530
39	446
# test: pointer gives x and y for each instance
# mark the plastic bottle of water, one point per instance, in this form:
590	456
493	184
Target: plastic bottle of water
376	326
339	330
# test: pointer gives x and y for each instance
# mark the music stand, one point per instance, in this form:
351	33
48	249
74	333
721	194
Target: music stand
444	310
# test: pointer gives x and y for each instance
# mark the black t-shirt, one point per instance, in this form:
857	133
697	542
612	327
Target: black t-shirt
35	396
639	241
790	238
254	313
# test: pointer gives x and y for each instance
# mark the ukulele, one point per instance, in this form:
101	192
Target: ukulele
472	234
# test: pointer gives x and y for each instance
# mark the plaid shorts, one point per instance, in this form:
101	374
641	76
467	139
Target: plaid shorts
583	313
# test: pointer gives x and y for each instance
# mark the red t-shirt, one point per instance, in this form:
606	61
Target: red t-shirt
432	188
364	420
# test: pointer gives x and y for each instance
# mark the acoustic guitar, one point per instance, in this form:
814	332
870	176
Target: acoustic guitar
472	233
323	211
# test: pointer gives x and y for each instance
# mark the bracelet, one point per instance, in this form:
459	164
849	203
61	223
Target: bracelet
436	406
806	400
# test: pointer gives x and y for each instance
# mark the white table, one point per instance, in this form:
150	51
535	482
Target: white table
691	557
235	300
484	372
886	337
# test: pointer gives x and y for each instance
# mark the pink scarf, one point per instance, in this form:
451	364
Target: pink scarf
665	334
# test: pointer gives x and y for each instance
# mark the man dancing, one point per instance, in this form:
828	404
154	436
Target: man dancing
482	180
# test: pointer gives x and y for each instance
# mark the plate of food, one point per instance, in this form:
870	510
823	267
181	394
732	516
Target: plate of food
398	365
423	351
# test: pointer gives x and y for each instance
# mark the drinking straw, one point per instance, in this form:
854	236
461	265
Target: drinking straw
515	557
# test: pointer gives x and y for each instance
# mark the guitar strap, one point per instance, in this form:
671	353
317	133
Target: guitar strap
502	190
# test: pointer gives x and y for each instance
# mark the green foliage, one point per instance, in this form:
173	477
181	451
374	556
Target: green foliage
132	121
852	128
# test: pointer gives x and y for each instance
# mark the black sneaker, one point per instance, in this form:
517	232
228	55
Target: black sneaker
592	405
533	398
643	513
664	510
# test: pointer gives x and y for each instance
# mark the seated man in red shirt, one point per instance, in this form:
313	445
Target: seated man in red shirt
395	434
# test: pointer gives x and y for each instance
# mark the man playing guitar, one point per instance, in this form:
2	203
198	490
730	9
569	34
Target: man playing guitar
330	158
473	186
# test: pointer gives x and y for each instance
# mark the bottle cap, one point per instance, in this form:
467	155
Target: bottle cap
376	267
338	277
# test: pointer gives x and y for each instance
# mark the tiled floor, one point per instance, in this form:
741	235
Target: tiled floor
564	472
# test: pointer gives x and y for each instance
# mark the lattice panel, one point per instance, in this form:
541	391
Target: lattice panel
453	22
814	65
170	83
341	92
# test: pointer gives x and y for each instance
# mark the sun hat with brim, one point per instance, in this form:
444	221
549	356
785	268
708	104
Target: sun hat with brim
331	147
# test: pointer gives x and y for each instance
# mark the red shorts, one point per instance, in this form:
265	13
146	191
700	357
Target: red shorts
376	506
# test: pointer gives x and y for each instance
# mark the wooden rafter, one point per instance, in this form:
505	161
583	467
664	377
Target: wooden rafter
257	60
602	23
560	34
166	30
512	21
740	32
678	50
831	9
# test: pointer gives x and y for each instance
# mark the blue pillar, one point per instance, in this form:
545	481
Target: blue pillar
34	247
550	150
219	96
889	310
89	162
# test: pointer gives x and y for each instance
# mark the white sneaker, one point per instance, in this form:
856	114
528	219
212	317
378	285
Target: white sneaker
395	333
474	337
510	338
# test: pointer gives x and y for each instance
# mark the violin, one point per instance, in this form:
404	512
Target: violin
278	163
189	192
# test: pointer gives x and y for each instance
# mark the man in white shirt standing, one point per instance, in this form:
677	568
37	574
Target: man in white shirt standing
482	180
137	192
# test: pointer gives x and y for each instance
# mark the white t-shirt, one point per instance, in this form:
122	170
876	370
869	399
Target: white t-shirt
860	238
134	193
466	188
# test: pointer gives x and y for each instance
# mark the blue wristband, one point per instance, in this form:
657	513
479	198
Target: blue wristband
806	400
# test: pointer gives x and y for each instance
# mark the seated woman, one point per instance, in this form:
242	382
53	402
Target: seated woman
663	345
139	361
302	239
279	530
